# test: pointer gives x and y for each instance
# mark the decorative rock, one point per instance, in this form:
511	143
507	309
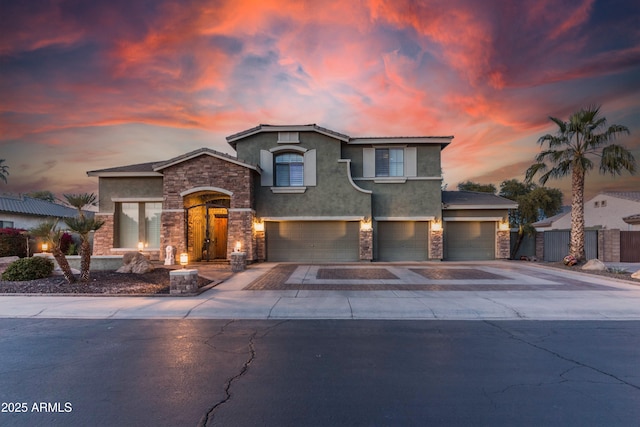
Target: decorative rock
135	262
594	265
636	275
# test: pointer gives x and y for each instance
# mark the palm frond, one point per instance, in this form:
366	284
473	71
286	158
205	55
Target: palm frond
615	159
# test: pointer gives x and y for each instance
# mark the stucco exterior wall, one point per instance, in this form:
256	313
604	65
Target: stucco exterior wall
133	188
609	216
333	194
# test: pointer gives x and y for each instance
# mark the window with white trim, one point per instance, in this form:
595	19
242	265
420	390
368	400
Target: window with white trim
289	170
138	222
389	162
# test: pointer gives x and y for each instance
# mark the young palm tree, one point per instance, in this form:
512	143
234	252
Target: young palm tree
583	137
4	171
51	234
83	226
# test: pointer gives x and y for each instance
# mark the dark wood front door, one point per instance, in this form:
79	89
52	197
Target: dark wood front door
220	237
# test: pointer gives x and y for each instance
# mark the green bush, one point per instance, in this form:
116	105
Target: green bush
28	269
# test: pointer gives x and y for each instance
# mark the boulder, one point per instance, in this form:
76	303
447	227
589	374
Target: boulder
594	265
636	275
135	262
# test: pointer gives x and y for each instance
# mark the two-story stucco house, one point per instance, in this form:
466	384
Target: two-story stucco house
292	193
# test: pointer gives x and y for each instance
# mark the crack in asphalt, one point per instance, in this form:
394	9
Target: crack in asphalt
206	418
560	356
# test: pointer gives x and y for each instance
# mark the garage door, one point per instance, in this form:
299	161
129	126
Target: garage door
313	241
469	240
402	240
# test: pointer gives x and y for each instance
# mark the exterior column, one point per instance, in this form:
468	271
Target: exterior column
540	245
503	244
436	251
172	231
103	238
240	230
366	244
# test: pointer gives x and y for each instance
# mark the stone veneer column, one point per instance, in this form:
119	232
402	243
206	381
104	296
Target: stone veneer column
612	245
172	231
261	249
540	245
436	250
240	229
503	244
103	238
366	244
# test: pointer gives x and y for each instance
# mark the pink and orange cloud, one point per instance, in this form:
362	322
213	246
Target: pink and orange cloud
107	83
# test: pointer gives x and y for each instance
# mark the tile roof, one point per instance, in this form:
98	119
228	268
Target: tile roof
476	198
29	206
548	222
139	167
630	195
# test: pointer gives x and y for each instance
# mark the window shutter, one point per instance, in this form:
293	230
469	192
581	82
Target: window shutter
266	164
410	161
310	168
368	162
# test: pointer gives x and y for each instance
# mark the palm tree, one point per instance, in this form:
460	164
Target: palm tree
583	137
51	234
4	171
83	226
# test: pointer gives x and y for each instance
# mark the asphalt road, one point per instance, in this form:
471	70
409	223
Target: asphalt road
318	373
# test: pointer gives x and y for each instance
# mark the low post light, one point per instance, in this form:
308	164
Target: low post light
140	246
238	247
184	259
45	247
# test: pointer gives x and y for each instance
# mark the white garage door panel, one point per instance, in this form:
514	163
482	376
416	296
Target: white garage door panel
402	240
313	241
469	240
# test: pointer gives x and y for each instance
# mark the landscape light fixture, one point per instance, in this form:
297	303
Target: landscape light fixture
140	246
238	247
184	259
45	247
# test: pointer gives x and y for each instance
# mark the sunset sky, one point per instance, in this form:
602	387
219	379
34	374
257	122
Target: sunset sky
86	85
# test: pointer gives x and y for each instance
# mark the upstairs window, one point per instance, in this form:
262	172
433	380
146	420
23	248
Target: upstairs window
389	162
289	170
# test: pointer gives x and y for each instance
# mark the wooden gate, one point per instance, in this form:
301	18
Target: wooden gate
630	246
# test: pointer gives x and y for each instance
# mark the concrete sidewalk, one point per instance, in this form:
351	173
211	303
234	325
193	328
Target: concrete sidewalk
518	291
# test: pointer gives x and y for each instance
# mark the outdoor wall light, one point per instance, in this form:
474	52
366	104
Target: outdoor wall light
140	246
436	225
258	226
504	225
365	225
184	259
45	247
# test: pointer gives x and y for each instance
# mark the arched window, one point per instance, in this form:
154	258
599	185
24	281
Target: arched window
289	170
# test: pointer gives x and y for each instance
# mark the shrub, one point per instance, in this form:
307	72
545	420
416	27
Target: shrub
28	269
67	245
12	242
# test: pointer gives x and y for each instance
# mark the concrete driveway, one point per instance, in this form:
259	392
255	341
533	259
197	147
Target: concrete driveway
464	291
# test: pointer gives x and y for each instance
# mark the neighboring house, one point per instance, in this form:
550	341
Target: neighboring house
298	193
607	210
26	212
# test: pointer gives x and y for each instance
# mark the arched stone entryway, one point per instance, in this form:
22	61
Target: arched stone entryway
206	220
